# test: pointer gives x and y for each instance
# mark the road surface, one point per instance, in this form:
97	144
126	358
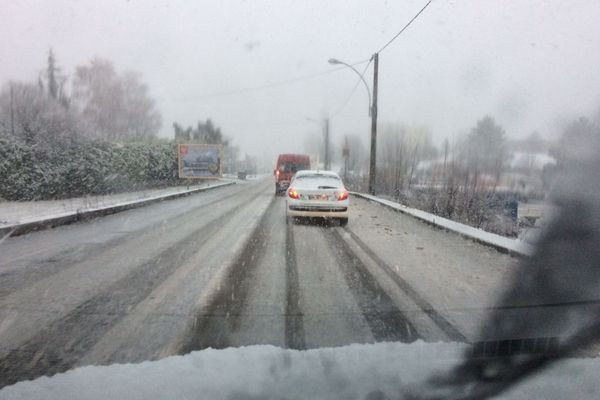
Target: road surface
222	268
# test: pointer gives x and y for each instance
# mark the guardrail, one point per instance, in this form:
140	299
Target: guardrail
500	243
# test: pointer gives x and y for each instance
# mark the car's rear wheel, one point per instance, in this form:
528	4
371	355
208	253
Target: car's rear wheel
343	221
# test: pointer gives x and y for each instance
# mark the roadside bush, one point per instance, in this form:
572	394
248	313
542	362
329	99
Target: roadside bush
20	177
490	211
77	168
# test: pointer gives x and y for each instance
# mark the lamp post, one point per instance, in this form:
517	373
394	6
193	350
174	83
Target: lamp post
326	138
372	114
335	61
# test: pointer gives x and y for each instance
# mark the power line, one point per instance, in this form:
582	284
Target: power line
380	50
275	84
405	26
298	122
311	76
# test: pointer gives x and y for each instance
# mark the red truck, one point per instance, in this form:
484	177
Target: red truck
287	165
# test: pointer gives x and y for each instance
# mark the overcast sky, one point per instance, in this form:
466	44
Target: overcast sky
532	65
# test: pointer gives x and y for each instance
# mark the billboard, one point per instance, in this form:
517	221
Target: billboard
200	160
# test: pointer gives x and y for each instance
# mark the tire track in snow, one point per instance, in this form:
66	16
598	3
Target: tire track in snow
386	321
294	320
17	279
441	322
57	347
215	325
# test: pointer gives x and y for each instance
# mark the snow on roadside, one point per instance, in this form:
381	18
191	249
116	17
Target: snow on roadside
515	246
383	370
21	212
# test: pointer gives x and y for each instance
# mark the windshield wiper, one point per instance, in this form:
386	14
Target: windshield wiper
564	267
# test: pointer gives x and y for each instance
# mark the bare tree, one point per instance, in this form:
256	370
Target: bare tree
400	152
231	162
140	119
98	95
115	107
413	163
204	132
27	114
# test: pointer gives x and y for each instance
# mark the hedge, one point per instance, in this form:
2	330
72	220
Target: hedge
77	168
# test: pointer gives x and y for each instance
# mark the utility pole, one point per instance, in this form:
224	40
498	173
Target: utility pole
372	113
12	111
326	122
346	155
373	159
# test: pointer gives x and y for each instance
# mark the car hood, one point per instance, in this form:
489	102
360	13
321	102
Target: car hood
383	370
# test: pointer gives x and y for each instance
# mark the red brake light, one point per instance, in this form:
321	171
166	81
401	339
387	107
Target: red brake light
342	195
277	172
293	193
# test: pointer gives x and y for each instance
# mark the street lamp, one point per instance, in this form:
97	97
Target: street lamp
334	61
372	114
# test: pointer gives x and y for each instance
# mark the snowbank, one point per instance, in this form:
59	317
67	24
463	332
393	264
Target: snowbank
16	216
512	246
383	370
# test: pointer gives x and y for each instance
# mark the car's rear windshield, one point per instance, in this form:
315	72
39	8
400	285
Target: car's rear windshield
323	180
292	166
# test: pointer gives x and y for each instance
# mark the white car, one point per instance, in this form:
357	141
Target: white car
317	194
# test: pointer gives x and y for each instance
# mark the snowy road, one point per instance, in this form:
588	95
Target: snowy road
222	268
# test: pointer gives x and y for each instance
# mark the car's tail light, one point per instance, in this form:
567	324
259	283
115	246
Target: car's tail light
293	193
277	172
342	195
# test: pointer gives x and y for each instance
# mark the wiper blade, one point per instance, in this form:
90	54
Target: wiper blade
564	268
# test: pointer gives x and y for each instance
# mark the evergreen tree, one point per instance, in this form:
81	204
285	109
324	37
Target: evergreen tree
51	76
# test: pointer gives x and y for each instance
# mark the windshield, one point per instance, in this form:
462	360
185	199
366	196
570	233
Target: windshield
440	241
292	167
316	179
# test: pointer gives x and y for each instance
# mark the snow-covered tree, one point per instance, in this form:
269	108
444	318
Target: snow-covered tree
29	115
115	107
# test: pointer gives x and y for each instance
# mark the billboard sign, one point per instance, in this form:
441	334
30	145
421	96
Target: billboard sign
200	160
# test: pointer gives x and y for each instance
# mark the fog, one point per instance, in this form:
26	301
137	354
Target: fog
532	65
